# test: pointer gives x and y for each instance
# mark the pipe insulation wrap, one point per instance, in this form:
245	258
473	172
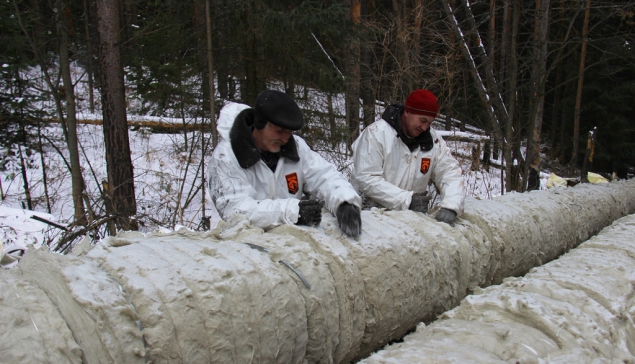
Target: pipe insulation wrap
577	309
193	297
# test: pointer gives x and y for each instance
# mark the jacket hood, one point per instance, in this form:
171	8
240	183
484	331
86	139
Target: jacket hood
226	118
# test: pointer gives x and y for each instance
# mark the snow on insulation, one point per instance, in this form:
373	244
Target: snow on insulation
577	309
236	294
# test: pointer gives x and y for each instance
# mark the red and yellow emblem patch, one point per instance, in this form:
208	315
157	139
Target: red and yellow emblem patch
425	165
292	183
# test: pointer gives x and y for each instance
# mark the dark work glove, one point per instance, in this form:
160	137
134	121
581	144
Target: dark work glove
349	219
420	201
445	215
310	212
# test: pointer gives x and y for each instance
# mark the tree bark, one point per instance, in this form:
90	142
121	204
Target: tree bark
210	74
354	76
578	96
491	53
559	66
221	64
505	48
44	175
119	163
488	91
415	46
89	59
334	137
491	36
539	81
25	180
253	83
588	156
212	109
512	127
401	52
77	180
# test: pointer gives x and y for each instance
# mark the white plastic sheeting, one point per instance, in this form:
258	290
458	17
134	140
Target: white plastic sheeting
577	309
194	297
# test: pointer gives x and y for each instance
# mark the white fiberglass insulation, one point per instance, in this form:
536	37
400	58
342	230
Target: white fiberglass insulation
577	309
201	297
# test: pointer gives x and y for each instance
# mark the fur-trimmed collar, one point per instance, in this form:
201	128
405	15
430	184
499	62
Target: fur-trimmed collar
244	146
392	115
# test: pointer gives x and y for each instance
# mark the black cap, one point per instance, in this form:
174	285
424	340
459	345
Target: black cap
279	109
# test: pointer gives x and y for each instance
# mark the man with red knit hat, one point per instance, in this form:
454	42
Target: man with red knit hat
398	156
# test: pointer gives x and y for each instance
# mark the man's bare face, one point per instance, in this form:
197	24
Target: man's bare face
414	124
271	138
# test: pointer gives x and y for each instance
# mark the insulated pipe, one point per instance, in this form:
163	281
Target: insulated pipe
239	294
577	309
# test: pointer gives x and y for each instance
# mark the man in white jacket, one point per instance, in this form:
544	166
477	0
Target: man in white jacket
260	169
396	158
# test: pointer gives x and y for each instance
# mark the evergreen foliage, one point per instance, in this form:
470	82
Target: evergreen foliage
313	47
20	99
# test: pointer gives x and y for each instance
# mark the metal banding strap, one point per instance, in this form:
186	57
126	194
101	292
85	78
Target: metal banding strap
283	261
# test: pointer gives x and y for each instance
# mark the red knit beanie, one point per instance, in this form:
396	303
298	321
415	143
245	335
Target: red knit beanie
422	102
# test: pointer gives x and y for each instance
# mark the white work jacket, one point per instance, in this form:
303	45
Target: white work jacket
269	198
387	172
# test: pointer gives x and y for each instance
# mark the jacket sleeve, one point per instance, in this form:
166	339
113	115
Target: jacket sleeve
323	180
232	193
448	179
368	173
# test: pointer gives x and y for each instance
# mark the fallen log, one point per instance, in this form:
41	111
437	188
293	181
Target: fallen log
154	125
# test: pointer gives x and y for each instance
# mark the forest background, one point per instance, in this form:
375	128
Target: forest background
551	82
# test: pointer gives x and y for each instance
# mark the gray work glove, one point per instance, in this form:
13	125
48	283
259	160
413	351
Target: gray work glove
445	215
349	218
310	212
420	202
